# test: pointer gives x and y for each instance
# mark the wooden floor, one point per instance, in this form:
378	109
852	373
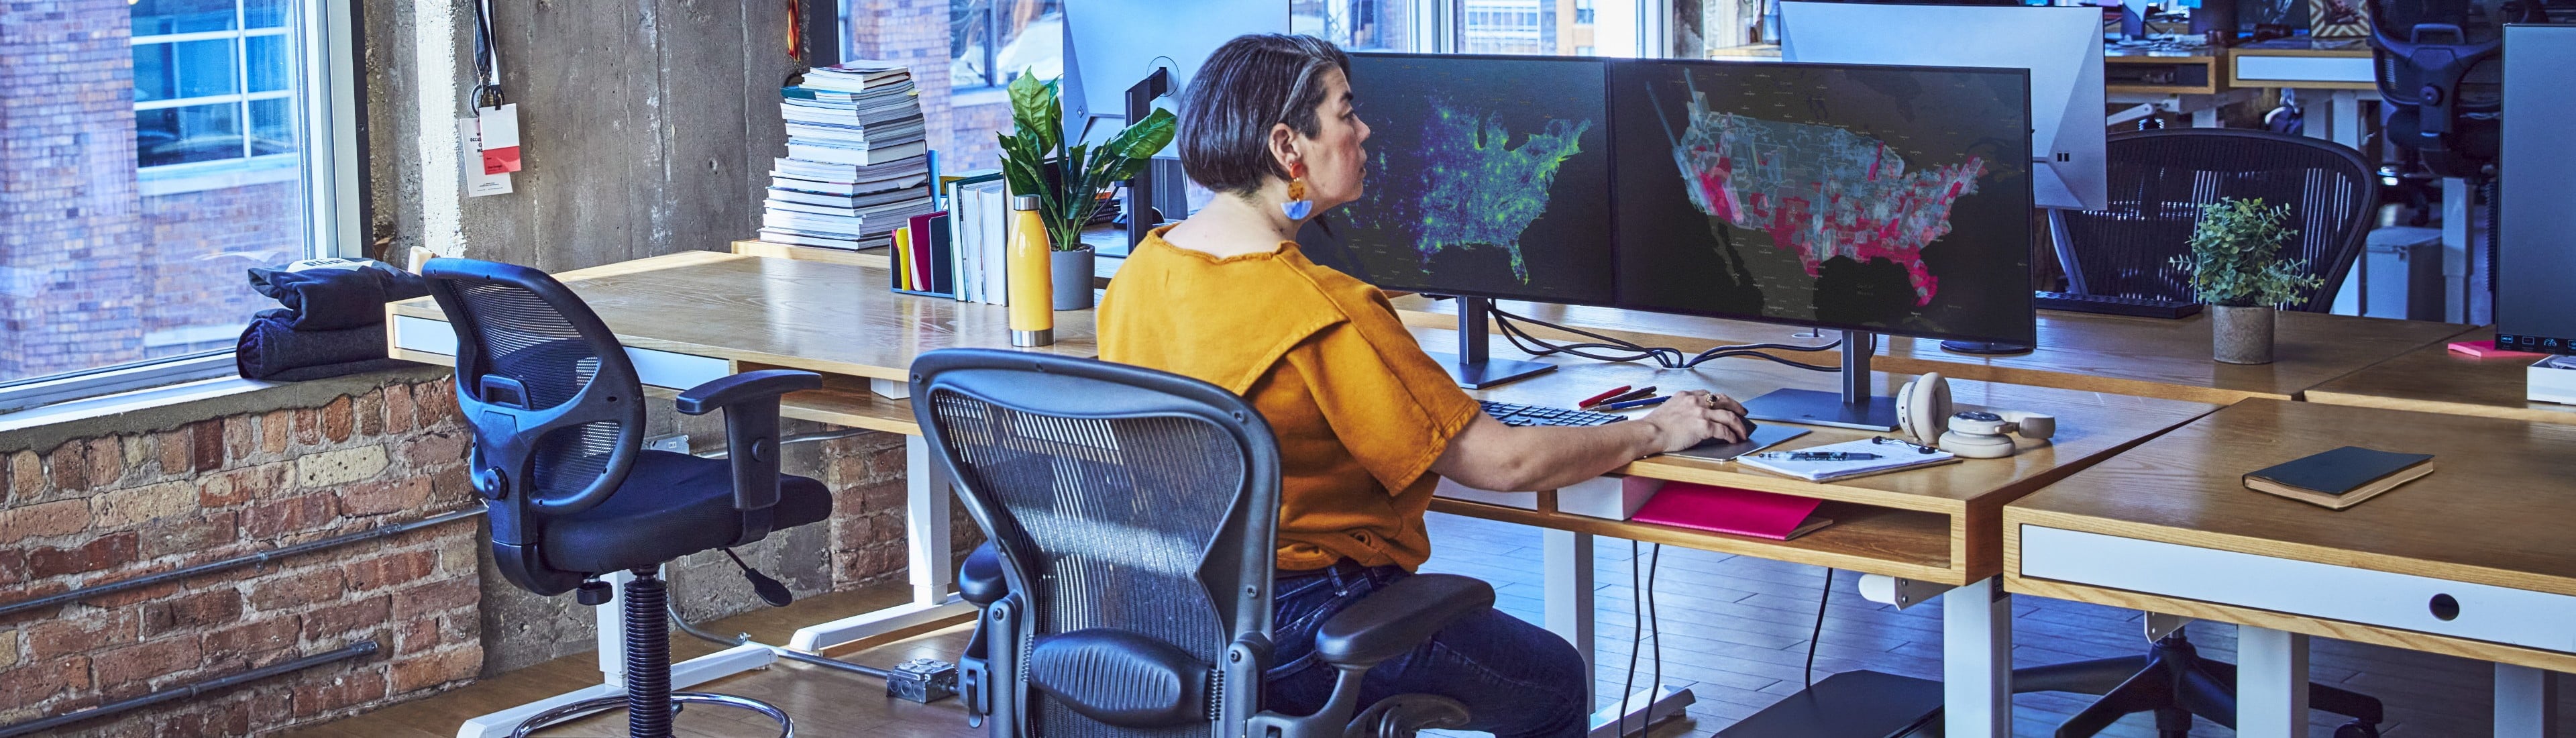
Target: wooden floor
1734	629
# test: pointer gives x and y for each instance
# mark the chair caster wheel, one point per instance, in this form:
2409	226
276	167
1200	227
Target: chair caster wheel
2357	729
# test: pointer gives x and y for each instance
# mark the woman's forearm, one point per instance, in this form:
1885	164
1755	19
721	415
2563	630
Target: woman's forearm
1490	455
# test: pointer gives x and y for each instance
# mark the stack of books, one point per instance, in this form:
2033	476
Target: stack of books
857	165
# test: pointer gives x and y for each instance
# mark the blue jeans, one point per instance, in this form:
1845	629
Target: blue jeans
1517	680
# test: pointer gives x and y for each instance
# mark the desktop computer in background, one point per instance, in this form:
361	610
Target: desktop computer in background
1869	199
1488	177
2535	268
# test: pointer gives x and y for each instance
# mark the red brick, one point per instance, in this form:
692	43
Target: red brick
171	451
193	611
216	715
236	486
106	458
415	636
27	480
366	614
336	422
36	681
884	465
308	426
881	497
398	409
854	530
390	569
450	488
131	598
340	691
301	514
385	496
183	536
369	413
13	566
101	553
71	471
295	590
435	449
141	662
207	450
57	518
241	438
461	592
436	407
71	634
435	669
251	639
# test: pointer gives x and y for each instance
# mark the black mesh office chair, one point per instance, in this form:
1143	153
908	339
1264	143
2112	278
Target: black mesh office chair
2440	72
1131	514
2160	179
558	418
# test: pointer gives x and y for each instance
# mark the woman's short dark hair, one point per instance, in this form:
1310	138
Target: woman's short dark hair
1248	85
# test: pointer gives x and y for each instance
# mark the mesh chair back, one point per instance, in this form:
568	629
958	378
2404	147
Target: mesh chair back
2160	179
557	410
1118	497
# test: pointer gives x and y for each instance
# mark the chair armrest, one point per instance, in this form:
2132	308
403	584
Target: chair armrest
979	577
1395	619
747	386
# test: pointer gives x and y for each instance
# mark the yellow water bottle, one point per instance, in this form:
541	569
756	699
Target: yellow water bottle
1032	288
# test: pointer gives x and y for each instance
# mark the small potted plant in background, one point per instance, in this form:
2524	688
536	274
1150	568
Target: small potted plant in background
1069	180
2237	271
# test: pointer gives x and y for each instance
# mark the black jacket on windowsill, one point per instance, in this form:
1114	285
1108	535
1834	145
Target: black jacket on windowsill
332	323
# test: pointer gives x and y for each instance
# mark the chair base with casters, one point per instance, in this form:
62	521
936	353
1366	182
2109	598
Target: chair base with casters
2175	683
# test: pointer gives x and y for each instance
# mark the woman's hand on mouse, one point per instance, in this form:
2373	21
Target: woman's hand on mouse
1693	416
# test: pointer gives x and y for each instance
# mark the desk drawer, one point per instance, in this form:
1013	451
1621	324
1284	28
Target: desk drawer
2369	597
657	368
2289	71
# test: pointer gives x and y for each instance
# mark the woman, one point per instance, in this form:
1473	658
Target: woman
1364	419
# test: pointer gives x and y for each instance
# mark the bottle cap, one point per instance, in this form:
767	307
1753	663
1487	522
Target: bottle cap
1024	202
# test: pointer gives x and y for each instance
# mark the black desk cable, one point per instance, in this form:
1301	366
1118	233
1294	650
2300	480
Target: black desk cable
1645	621
1606	348
1819	632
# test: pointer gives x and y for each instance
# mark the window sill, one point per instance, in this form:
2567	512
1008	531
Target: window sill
979	96
169	407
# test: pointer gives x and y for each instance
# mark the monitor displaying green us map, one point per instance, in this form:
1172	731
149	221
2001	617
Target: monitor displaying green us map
1486	176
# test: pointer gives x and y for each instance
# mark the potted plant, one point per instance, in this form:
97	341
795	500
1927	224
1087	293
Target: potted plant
2237	271
1069	180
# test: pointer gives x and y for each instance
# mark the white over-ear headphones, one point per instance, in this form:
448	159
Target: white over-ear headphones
1923	411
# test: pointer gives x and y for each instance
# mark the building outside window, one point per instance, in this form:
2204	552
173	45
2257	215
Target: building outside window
991	42
155	149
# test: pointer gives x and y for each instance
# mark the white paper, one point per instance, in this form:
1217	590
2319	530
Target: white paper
1890	456
477	184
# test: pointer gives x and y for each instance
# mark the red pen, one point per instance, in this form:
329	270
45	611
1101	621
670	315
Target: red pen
1634	394
1596	399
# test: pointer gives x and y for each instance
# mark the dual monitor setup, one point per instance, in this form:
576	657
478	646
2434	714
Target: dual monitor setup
1863	198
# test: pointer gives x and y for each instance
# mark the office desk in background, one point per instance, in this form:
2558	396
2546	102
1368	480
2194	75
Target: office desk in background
694	316
2432	379
2472	560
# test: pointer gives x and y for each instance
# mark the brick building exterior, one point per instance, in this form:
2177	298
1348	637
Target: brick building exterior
915	32
93	272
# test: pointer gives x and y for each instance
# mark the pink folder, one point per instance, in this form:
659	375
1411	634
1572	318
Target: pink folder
1742	512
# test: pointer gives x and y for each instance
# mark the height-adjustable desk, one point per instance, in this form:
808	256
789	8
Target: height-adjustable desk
694	316
2432	379
2472	560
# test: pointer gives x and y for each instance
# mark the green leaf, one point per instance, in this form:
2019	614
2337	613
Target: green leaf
1146	138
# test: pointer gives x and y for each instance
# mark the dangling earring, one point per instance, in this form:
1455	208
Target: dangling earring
1297	207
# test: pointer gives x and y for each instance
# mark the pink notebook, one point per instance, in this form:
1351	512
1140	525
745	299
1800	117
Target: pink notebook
1742	512
2487	350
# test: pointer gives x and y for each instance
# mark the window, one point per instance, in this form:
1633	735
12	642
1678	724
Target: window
1357	25
213	137
1583	11
991	42
1547	27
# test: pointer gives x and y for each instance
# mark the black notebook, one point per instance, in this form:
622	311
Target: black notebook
2342	477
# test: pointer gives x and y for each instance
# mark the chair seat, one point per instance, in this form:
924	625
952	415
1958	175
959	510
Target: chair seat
671	505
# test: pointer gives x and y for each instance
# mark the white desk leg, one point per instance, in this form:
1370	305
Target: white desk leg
2526	702
925	523
2316	114
2205	117
1567	570
1976	661
2347	118
2271	683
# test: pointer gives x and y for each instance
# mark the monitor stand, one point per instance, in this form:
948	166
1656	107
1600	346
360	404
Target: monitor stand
1473	366
1985	347
1854	407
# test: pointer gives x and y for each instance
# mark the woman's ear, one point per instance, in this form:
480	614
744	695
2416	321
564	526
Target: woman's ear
1283	148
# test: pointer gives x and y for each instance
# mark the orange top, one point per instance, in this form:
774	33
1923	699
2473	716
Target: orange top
1359	411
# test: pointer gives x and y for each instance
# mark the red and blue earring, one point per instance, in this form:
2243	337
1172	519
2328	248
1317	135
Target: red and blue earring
1297	207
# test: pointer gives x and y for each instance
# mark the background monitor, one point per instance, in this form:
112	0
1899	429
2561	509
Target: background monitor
2535	265
1488	176
1873	198
2061	47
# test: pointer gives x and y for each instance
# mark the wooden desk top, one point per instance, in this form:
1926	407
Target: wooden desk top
2432	379
823	316
2494	511
2149	357
1934	524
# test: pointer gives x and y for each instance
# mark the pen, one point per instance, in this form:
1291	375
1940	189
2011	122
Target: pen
1648	402
1600	398
1634	394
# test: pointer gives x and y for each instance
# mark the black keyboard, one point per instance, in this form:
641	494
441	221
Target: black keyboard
2112	305
1512	414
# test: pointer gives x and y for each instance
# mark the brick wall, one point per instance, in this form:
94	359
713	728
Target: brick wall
915	32
70	236
201	242
110	508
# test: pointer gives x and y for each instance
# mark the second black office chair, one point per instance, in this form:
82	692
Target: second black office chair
558	418
1132	516
2160	179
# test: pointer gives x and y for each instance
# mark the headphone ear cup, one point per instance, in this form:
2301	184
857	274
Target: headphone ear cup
1923	408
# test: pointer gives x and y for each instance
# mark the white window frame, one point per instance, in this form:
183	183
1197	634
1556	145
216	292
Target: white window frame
328	158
